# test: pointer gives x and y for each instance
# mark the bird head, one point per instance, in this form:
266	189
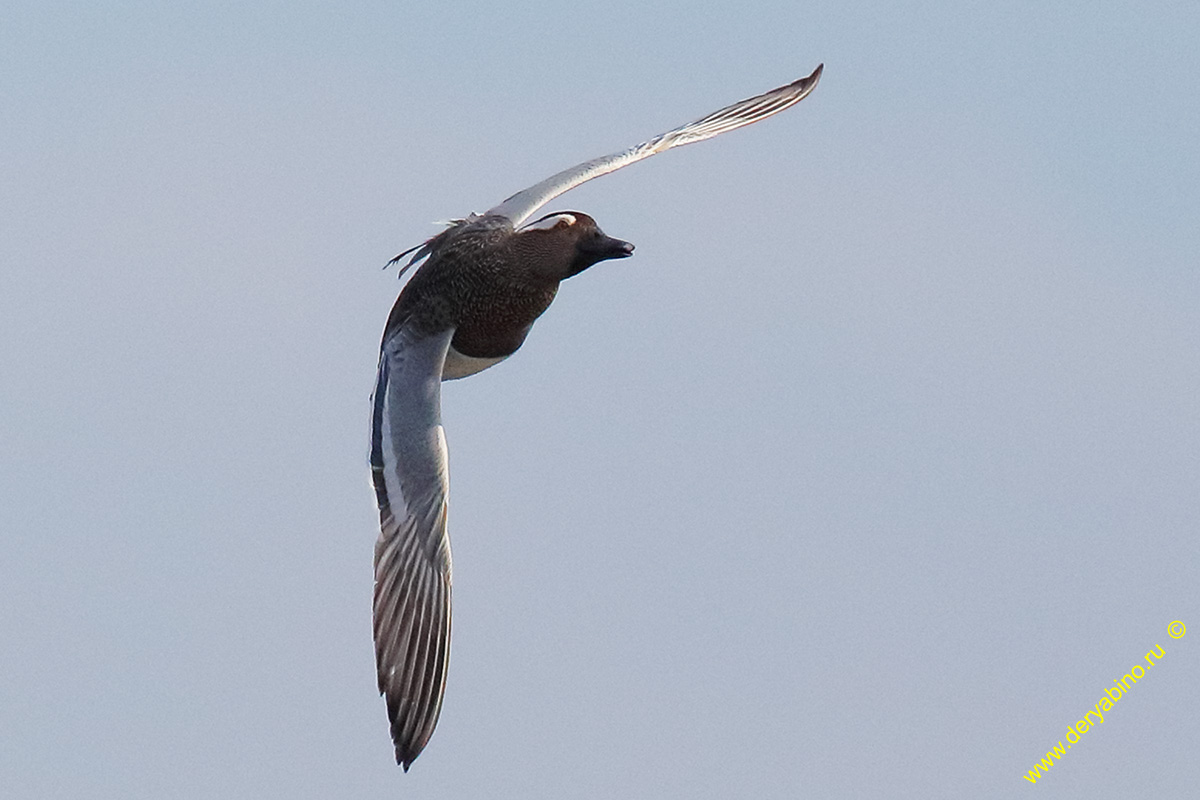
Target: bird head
566	243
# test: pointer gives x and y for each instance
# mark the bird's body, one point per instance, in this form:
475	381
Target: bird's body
472	302
490	283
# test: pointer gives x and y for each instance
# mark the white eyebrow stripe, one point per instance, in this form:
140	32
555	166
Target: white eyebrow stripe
548	223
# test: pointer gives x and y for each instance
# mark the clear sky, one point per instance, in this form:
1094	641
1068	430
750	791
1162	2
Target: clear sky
864	477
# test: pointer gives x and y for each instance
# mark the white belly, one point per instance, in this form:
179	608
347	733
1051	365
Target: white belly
459	366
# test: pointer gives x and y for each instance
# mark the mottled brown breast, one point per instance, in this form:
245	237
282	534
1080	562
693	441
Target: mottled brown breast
496	319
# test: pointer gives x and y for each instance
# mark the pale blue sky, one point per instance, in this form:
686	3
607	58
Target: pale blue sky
863	478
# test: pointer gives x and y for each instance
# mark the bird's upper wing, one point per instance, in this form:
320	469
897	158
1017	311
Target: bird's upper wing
412	556
522	204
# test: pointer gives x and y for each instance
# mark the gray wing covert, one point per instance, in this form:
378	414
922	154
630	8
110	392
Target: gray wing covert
412	556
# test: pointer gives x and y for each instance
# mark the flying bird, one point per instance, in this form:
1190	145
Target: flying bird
480	285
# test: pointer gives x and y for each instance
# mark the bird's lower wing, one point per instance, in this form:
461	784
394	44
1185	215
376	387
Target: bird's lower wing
412	556
522	204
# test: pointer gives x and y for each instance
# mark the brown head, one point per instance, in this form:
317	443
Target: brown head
560	245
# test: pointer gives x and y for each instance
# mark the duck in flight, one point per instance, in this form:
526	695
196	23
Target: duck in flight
479	287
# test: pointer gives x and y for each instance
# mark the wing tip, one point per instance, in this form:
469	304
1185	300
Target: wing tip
407	752
810	81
